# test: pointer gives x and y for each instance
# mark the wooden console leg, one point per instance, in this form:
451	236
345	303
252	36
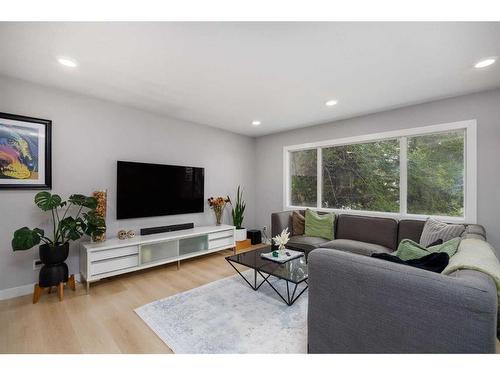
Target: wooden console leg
71	282
37	293
178	264
60	291
50	289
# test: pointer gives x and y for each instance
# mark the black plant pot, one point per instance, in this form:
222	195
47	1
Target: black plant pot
53	255
52	275
54	270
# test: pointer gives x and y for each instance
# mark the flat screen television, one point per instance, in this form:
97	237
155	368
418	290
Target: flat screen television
145	190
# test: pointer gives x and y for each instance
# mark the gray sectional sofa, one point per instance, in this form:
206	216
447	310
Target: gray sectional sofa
359	304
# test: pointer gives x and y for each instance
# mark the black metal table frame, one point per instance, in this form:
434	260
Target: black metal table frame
289	300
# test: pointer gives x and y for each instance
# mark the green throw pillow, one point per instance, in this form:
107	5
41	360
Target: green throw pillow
409	249
450	247
319	225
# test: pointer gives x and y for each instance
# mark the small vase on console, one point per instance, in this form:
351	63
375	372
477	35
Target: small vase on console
218	205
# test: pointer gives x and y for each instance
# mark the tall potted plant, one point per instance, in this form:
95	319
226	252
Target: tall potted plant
237	212
55	246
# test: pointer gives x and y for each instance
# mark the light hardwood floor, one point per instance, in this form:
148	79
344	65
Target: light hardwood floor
103	321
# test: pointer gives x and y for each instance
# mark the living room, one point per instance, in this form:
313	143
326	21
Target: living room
249	187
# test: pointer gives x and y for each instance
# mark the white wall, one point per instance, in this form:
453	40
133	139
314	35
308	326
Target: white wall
484	107
89	136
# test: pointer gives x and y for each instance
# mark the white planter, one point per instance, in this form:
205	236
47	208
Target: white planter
241	234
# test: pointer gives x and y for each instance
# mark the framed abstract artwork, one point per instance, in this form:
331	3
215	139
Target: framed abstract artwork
25	152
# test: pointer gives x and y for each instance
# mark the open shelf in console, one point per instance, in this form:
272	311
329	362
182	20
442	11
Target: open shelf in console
193	245
161	251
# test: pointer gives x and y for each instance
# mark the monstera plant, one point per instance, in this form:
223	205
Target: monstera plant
71	219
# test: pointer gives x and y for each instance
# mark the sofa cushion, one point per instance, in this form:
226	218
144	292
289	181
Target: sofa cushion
357	247
410	229
375	230
305	243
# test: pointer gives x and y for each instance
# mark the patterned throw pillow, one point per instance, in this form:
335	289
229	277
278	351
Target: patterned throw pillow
435	230
298	223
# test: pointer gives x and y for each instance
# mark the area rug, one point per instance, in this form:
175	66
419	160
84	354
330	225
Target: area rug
227	316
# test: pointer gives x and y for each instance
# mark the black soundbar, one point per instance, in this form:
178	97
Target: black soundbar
167	228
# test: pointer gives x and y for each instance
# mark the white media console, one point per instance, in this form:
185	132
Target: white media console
113	257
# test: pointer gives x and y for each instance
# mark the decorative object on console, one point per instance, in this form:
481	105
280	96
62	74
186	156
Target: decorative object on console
122	234
130	234
282	239
218	205
237	212
25	152
101	198
65	228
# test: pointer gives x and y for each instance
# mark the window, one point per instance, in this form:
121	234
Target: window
411	173
436	174
362	176
303	178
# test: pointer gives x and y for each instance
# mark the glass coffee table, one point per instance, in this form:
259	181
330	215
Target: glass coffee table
294	272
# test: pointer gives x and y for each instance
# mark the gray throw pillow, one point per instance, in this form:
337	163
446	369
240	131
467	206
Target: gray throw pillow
437	230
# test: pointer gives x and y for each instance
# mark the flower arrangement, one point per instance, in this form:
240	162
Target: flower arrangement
218	204
282	239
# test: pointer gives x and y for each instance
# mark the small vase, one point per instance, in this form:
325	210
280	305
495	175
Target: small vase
281	249
218	216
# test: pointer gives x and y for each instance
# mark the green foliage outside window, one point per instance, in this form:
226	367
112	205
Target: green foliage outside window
362	176
366	176
436	174
303	176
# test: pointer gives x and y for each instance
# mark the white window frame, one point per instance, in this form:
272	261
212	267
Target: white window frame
470	175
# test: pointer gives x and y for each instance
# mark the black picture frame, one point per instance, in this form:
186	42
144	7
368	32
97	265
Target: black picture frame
47	180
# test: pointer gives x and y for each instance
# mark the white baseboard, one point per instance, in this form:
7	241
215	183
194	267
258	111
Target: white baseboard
22	290
16	291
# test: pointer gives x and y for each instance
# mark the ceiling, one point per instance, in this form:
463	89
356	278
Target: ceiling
228	74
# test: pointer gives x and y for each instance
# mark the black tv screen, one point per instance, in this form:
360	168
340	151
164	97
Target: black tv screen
145	190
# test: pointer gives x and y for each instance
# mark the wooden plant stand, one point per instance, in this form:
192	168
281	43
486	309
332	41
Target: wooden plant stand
60	289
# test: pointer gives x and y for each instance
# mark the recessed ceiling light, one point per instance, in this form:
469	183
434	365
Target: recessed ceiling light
485	62
256	123
331	103
67	62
